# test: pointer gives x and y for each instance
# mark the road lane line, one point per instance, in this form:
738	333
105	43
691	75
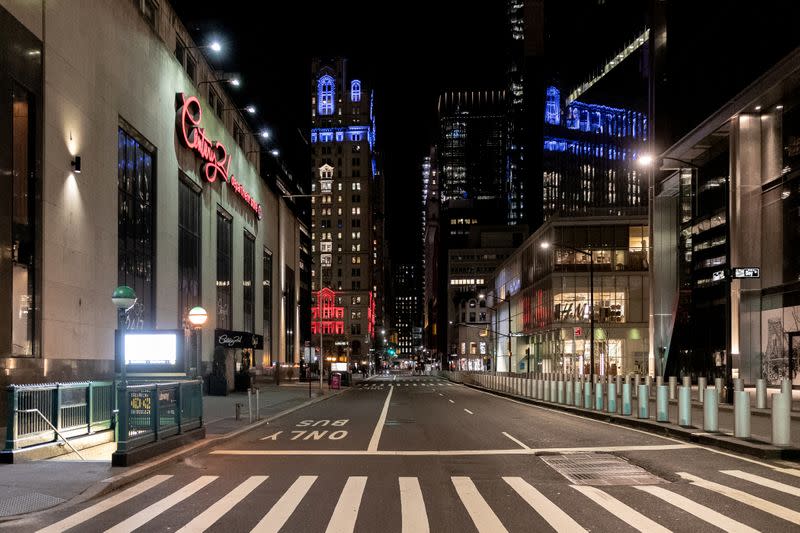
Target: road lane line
207	518
440	394
346	511
627	514
745	497
470	412
507	451
482	515
700	511
764	482
376	435
148	513
558	519
274	520
90	512
525	446
451	401
412	506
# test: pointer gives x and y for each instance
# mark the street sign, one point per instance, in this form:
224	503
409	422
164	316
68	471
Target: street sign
719	275
578	332
746	272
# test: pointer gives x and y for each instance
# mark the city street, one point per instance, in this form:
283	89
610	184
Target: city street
418	453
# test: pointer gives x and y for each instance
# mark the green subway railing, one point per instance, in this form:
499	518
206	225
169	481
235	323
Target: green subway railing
73	409
153	411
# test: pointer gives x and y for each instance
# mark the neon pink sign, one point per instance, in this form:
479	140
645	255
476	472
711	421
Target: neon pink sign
216	158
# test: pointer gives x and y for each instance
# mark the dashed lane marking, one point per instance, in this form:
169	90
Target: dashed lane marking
470	412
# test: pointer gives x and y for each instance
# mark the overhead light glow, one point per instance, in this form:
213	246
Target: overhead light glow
274	152
250	109
646	160
264	134
215	46
235	82
758	108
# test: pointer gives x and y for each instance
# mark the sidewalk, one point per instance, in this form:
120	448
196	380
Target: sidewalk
35	486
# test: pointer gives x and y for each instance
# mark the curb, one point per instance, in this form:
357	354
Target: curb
698	436
113	483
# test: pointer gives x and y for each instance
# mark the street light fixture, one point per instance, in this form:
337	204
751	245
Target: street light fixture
197	317
123	299
590	254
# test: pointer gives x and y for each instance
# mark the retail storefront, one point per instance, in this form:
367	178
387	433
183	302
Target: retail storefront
150	179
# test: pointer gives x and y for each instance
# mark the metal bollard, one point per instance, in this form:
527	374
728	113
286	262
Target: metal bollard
238	410
741	408
570	391
598	396
648	380
738	385
781	419
659	381
786	388
618	382
627	408
560	392
701	389
761	393
687	382
249	407
547	390
711	410
637	380
258	405
587	394
612	396
578	393
685	406
540	389
718	386
628	379
662	403
644	402
673	384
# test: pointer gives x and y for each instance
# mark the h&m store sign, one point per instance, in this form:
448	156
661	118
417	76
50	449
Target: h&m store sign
216	159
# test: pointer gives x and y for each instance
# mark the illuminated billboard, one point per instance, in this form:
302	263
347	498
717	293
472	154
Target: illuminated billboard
152	351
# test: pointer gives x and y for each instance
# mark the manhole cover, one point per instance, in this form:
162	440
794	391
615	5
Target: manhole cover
599	469
27	503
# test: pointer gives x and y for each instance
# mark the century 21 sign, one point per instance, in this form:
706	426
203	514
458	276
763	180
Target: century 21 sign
216	158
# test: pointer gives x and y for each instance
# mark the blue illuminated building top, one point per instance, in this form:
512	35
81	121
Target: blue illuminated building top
325	94
355	90
552	111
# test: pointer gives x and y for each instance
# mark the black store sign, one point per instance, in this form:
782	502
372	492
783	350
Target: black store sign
238	339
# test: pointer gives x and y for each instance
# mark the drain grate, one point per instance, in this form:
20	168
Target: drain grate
27	503
600	469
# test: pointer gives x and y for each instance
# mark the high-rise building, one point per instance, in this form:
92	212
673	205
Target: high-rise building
405	312
347	238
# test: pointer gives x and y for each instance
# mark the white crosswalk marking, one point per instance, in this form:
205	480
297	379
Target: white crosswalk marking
764	482
700	511
627	514
90	512
482	515
208	517
558	519
346	511
412	506
274	520
148	513
746	498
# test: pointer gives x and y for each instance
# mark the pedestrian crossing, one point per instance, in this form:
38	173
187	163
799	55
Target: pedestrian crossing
408	383
489	505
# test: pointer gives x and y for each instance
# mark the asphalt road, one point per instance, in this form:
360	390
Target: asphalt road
417	453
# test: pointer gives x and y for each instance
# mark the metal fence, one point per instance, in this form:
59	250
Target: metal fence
154	411
73	409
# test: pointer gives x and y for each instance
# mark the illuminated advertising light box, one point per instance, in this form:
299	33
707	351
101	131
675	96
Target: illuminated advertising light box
152	351
338	367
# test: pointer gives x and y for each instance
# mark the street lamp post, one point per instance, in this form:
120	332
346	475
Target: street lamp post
123	299
508	301
197	317
545	245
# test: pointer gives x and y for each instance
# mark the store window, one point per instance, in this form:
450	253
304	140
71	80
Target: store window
188	248
248	283
224	253
266	289
135	226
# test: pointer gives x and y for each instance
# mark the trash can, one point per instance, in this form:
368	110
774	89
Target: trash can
336	380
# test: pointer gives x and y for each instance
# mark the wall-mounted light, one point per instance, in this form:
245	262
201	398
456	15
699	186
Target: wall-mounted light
76	164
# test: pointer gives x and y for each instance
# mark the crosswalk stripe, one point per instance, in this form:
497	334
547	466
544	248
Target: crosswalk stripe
104	505
558	519
700	511
274	520
764	482
627	514
412	506
482	515
791	471
746	498
148	513
346	511
208	517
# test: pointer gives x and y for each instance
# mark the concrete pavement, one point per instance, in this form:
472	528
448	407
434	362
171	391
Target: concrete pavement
422	454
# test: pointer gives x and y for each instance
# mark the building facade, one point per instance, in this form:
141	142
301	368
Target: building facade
132	167
541	296
406	308
347	219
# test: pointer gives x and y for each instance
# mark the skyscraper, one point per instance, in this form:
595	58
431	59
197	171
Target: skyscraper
346	233
405	310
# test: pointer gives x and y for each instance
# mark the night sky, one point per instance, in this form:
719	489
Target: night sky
410	52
